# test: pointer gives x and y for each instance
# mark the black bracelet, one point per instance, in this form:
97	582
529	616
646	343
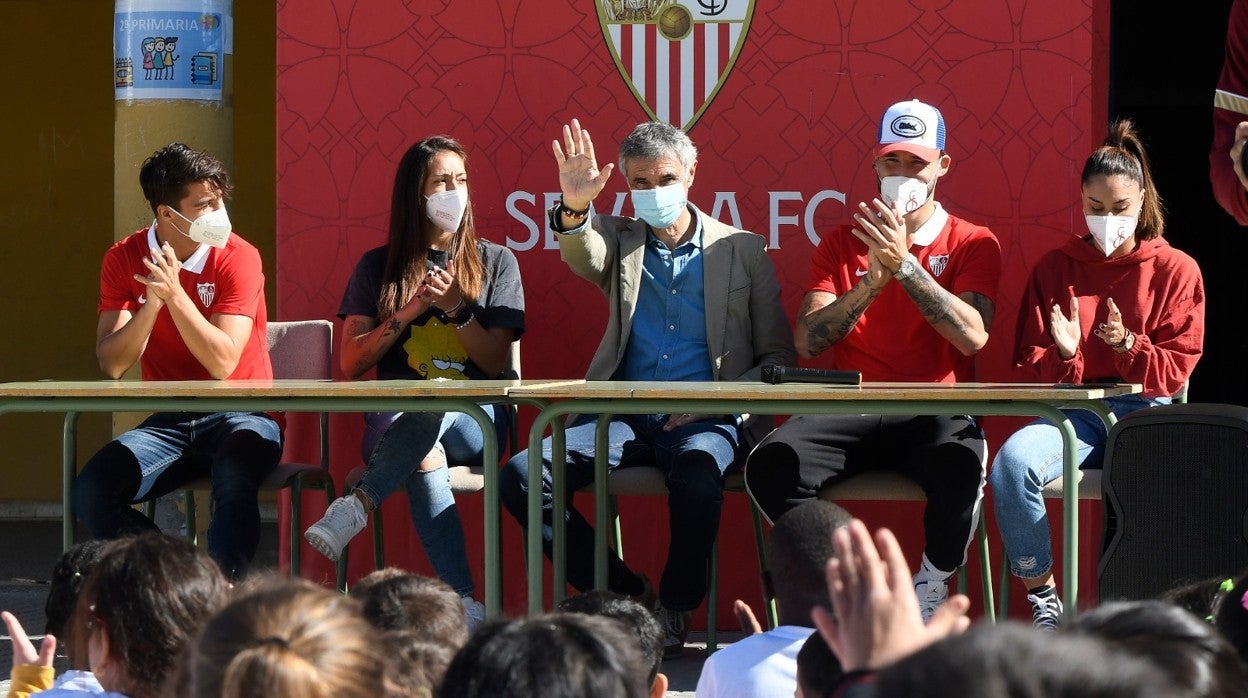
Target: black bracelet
570	212
556	224
454	310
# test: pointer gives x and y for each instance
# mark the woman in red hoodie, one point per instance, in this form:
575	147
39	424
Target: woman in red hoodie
1117	303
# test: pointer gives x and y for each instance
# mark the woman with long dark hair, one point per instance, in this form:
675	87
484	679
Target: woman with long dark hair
435	302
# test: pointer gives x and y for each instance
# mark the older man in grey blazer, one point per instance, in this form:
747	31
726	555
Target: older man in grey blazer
691	299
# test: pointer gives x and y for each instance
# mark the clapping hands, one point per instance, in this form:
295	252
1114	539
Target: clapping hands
440	288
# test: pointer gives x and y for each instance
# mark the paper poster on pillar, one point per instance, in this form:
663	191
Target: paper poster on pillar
171	49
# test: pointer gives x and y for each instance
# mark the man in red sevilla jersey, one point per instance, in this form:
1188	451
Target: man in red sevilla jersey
906	293
1230	119
185	298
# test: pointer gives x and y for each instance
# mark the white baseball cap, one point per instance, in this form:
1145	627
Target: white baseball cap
914	127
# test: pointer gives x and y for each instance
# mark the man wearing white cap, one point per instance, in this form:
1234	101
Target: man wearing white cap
905	293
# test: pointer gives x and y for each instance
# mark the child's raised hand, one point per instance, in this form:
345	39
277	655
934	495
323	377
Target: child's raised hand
24	651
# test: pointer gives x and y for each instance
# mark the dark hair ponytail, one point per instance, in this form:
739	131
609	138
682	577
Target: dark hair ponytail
1123	154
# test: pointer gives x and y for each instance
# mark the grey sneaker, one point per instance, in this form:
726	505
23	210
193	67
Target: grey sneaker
675	630
1046	610
474	611
932	594
344	518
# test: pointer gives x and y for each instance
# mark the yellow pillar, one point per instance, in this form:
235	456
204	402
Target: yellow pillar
190	102
173	82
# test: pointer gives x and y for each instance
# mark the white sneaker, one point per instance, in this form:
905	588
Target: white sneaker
474	611
932	593
344	518
1046	610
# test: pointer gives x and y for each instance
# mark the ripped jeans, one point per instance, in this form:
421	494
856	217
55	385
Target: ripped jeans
1032	458
395	444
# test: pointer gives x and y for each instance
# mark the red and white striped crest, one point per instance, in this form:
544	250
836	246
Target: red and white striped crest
675	54
207	291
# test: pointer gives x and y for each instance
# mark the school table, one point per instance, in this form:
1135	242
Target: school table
555	401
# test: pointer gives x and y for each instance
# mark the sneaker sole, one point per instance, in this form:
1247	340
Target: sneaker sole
321	544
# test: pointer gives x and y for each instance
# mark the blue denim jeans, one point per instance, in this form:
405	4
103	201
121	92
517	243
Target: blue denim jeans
237	450
395	444
693	458
1032	458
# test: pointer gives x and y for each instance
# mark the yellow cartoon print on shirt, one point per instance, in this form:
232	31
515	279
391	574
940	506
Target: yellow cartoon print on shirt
433	350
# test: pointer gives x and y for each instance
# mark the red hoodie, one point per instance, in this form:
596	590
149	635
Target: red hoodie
1161	296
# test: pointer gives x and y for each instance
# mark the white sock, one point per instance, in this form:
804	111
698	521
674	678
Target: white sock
928	572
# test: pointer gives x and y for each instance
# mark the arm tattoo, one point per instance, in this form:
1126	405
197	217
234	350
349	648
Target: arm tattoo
816	332
393	326
933	301
984	307
854	309
822	334
355	327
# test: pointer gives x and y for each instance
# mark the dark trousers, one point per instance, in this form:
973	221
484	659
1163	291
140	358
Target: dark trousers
945	455
693	458
237	450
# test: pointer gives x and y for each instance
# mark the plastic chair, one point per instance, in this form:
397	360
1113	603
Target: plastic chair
887	486
299	349
1175	493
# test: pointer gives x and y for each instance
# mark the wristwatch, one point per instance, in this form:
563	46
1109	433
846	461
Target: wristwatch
907	268
1128	341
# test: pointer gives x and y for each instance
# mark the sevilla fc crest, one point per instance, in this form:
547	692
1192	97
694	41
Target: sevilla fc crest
206	293
675	54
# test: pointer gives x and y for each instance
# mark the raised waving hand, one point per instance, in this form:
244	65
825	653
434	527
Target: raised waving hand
580	179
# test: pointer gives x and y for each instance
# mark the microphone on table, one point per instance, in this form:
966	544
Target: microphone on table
800	374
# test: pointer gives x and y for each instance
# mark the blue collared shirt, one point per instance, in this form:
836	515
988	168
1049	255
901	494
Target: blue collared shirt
668	337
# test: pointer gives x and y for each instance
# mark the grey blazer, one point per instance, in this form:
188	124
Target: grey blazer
746	326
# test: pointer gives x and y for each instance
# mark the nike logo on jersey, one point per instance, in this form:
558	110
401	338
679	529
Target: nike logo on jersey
142	299
860	272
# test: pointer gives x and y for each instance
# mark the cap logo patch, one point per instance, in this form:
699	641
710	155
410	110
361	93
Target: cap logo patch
908	126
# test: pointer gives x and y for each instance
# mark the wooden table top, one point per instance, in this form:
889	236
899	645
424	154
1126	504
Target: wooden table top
266	388
1046	392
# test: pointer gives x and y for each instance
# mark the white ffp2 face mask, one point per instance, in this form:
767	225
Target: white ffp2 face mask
446	208
1110	232
212	228
904	193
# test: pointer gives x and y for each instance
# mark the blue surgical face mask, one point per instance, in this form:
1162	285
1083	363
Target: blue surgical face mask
661	206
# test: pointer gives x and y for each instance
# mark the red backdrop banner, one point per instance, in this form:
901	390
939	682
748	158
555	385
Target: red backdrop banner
783	101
